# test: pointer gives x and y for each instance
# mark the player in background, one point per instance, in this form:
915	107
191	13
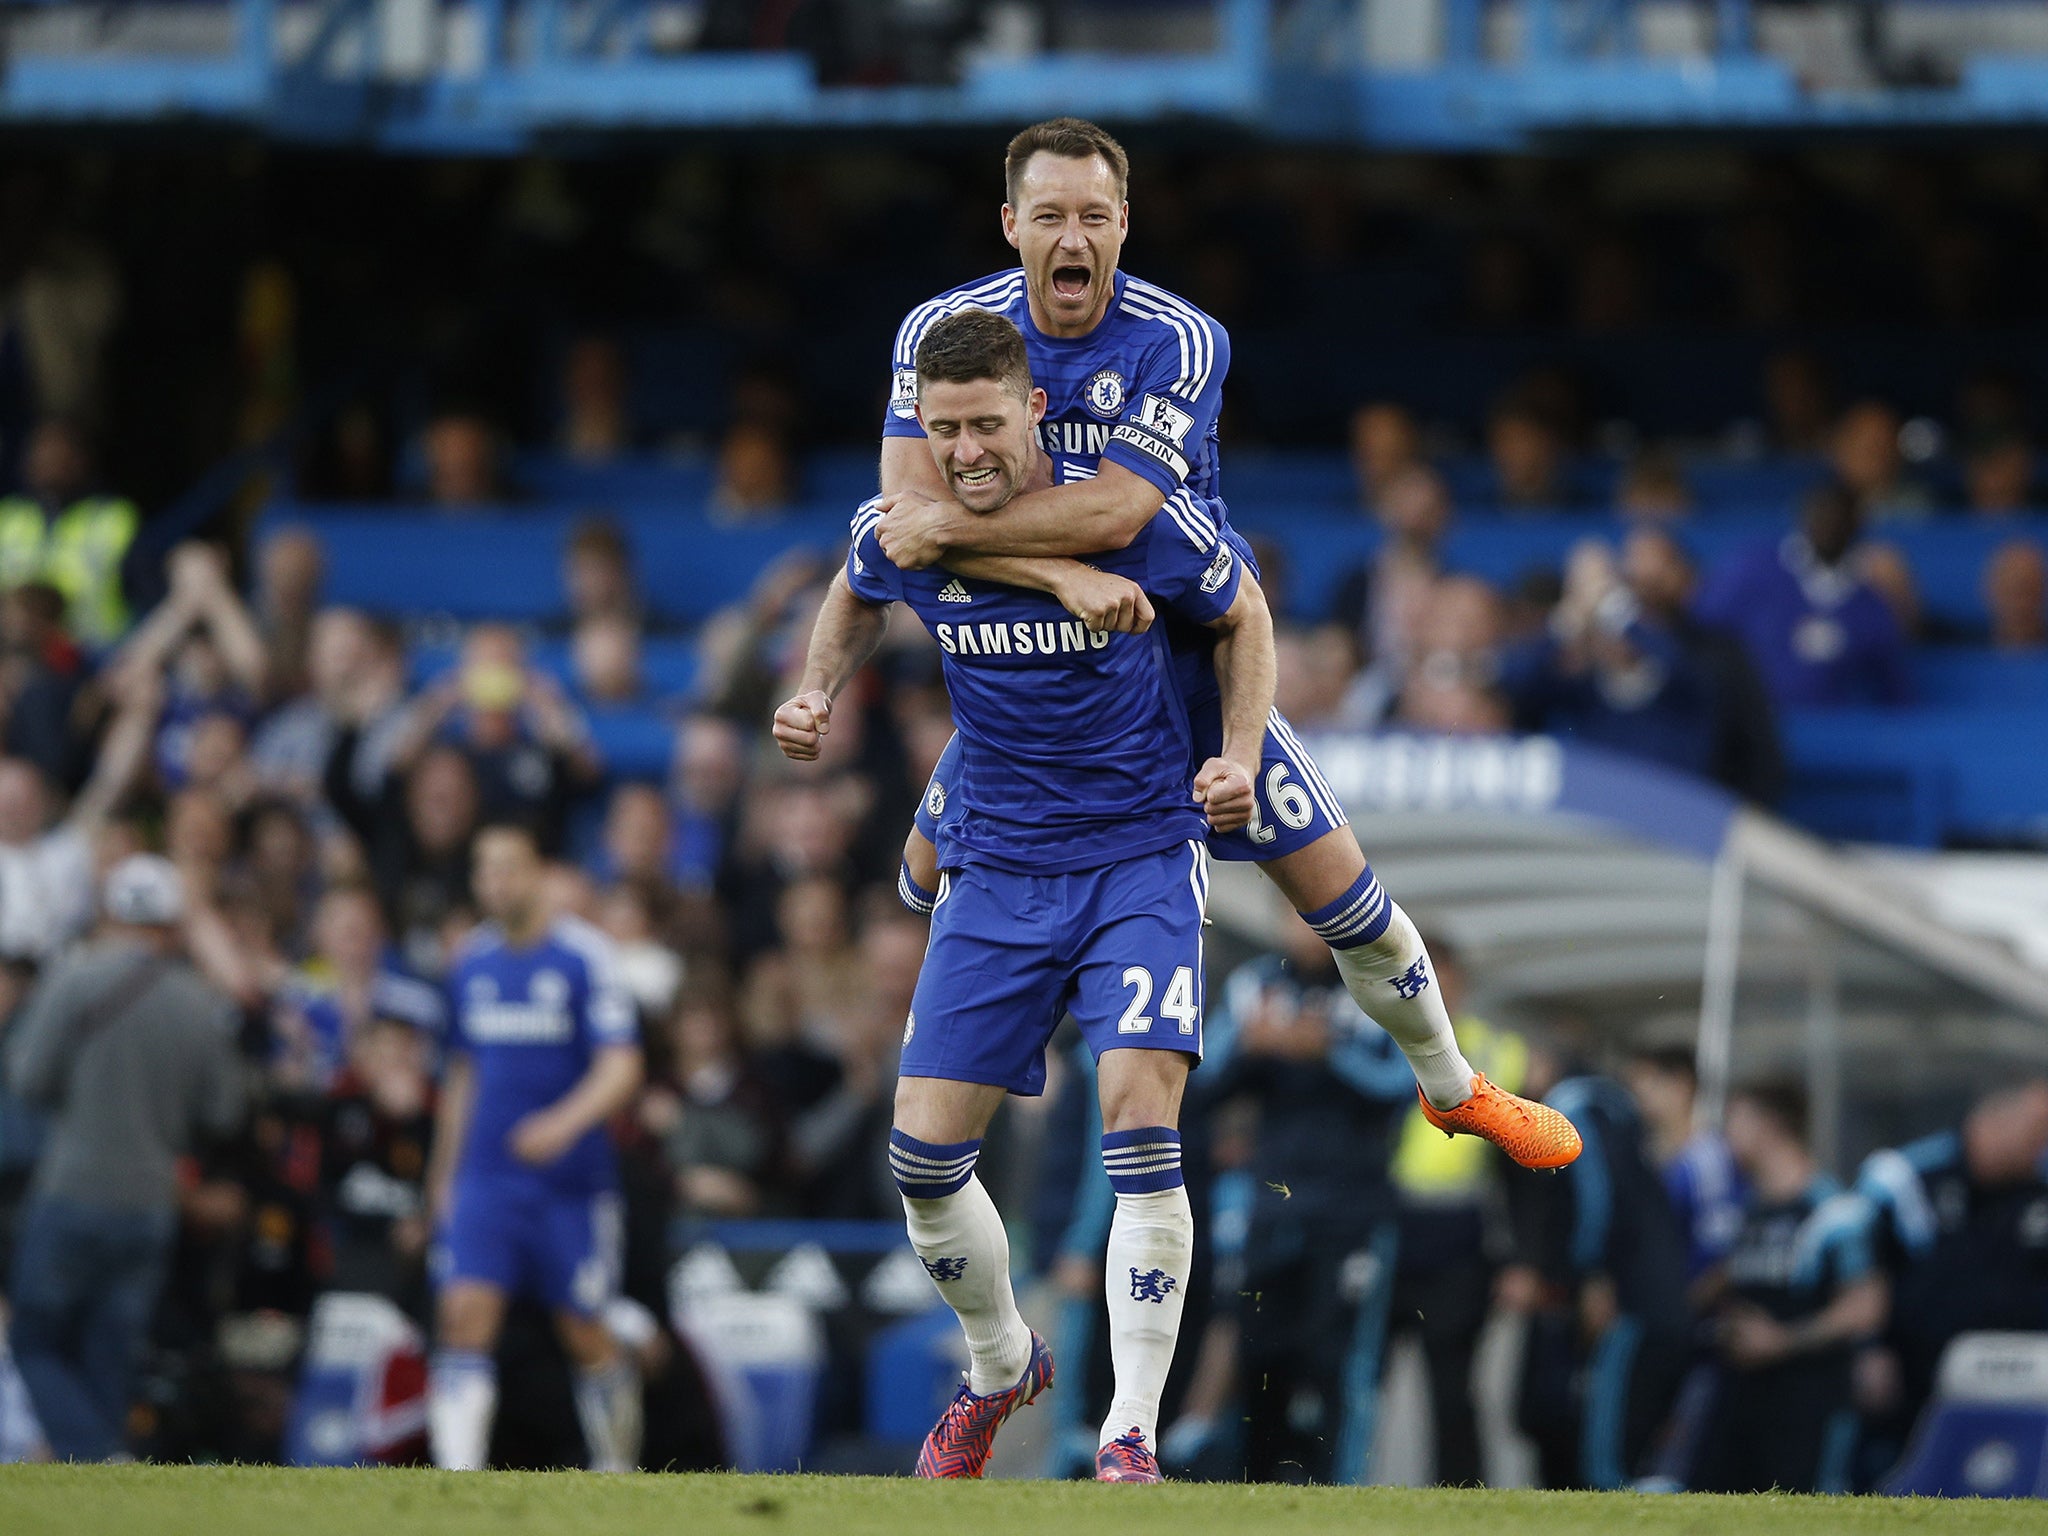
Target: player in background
1077	880
523	1187
1134	378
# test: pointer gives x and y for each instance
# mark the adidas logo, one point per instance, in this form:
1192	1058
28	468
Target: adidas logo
953	592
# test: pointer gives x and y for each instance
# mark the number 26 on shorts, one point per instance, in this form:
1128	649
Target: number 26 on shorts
1289	801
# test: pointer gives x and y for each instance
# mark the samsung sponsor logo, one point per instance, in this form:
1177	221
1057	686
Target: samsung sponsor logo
1089	437
1021	638
518	1023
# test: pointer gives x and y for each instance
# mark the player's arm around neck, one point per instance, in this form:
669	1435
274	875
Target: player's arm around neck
1087	517
1246	673
848	632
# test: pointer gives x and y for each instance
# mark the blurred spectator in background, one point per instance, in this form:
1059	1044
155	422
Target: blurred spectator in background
755	476
203	642
1527	451
290	568
1998	474
415	830
1330	1090
132	1055
350	979
376	1132
1653	490
1385	444
1599	1270
1884	568
597	573
1801	1294
356	670
42	675
604	655
1798	402
595	423
1700	1176
1452	683
48	866
59	531
1316	671
2016	596
1868	462
710	771
1817	631
638	841
1382	601
1961	1230
527	747
464	461
721	1137
1449	1189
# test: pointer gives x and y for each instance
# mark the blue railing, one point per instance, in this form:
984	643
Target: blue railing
551	67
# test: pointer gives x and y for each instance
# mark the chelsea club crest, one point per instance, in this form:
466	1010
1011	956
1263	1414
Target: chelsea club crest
1105	394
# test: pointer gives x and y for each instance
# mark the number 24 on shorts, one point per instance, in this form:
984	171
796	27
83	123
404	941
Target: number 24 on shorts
1178	1004
1289	802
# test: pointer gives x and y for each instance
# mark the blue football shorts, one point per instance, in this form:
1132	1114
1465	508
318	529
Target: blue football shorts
1119	947
1294	805
564	1250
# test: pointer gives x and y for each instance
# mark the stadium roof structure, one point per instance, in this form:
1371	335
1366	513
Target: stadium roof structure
500	76
1580	887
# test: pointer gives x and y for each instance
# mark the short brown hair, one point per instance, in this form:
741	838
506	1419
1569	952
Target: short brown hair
974	344
1071	138
1781	1100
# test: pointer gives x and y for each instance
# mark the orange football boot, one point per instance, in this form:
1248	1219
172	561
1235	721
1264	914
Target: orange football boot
1534	1135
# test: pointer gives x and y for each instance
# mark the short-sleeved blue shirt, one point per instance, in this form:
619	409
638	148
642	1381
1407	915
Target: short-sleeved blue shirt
1074	745
531	1021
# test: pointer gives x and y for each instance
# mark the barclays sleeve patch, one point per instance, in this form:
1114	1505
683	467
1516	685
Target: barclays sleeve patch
903	393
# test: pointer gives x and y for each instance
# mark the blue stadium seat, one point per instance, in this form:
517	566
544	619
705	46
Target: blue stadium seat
1985	1434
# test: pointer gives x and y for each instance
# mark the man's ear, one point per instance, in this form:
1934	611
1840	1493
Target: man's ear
1010	225
1036	405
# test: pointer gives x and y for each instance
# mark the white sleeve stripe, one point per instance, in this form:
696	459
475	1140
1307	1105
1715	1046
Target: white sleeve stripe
1198	341
1200	531
1202	545
1185	385
921	319
1197	511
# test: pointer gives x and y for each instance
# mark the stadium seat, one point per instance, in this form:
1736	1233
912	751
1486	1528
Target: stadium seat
1985	1434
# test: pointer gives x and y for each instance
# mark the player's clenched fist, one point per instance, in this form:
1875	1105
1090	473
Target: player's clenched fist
1105	603
1225	790
802	724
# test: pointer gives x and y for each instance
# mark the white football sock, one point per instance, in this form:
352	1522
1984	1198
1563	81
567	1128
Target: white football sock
462	1400
608	1408
965	1250
1151	1248
1391	979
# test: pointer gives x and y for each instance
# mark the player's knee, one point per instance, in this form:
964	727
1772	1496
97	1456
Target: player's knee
1141	1088
466	1317
940	1110
586	1341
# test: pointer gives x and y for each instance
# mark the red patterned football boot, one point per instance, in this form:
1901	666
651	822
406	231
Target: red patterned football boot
959	1443
1127	1459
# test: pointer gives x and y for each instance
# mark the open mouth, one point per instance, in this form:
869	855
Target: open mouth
1071	282
976	479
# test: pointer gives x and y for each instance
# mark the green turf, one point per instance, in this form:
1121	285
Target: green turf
270	1501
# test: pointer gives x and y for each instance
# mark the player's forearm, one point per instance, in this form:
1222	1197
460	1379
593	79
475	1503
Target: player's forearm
1247	671
1086	518
847	633
614	1077
1047	574
451	1128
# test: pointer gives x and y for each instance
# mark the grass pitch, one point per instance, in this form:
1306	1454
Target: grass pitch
275	1501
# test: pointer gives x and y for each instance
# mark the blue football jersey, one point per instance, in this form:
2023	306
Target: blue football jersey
530	1021
1142	389
1074	746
